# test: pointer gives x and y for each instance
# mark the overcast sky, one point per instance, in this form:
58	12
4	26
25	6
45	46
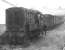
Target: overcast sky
45	6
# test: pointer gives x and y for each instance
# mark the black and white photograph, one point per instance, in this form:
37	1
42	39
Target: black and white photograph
32	24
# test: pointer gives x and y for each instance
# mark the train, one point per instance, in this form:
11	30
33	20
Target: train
25	26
